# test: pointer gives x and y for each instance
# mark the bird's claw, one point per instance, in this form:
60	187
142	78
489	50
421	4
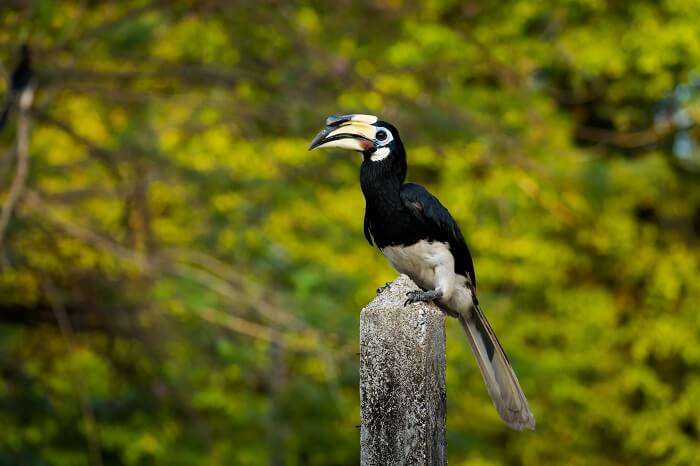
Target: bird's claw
421	296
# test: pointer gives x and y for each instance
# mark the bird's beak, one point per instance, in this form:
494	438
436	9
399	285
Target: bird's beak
352	132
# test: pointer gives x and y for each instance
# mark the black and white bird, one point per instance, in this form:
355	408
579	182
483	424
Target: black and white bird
417	234
20	91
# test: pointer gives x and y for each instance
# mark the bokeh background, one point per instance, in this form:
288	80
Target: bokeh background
181	280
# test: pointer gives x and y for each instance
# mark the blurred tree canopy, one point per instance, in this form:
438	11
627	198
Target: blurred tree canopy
181	279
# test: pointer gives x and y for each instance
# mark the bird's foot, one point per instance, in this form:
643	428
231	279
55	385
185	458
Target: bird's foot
422	296
386	286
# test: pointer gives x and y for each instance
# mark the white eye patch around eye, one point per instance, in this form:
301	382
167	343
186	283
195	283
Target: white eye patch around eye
380	154
382	137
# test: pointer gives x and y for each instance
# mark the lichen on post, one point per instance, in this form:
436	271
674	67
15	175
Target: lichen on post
402	380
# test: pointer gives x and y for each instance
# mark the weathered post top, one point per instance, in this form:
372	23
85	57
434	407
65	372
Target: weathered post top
402	380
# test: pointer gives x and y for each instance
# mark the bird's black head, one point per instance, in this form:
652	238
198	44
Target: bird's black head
377	140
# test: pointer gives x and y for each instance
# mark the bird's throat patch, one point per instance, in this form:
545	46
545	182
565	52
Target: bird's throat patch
380	154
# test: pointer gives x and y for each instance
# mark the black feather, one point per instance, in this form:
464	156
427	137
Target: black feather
22	74
440	226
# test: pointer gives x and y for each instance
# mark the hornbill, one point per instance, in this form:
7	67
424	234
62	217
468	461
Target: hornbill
419	237
20	90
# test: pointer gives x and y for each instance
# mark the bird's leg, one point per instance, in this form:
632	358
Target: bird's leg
386	286
422	296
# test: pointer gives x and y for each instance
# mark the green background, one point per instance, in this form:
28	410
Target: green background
209	271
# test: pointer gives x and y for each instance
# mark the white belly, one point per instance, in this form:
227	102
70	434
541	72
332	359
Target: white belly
419	260
26	97
431	265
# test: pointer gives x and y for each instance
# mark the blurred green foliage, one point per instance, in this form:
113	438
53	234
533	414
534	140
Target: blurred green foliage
209	270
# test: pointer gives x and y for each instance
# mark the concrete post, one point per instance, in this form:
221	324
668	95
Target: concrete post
402	381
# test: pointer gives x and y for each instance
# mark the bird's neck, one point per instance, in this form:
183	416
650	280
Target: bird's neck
390	222
384	209
381	180
381	184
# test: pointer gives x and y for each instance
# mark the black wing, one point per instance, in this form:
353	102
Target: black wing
427	209
22	74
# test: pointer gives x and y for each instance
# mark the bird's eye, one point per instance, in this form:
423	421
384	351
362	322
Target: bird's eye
381	135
